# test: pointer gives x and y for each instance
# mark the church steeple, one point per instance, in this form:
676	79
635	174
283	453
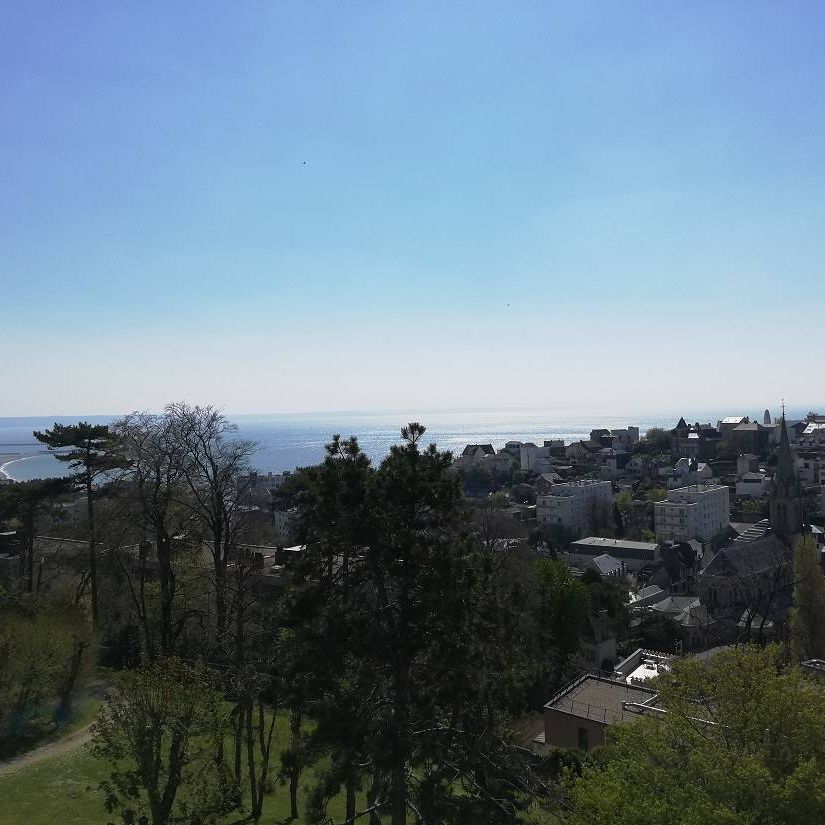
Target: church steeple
786	500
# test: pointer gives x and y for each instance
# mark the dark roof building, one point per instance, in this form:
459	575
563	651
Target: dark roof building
471	449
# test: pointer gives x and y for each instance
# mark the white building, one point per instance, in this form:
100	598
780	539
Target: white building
286	522
753	485
699	511
575	505
538	459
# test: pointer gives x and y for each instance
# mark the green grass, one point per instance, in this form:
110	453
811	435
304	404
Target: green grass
64	790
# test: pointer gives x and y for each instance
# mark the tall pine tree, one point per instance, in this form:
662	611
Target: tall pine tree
91	453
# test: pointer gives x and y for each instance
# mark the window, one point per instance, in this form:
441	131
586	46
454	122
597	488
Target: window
583	739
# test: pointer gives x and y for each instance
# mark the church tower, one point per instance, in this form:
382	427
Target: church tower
786	500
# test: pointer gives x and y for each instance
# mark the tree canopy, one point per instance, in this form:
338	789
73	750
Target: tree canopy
741	740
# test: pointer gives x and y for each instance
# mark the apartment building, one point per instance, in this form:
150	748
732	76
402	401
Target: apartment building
698	511
576	505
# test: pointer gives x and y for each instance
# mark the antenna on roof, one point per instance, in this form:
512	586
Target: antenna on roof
783	408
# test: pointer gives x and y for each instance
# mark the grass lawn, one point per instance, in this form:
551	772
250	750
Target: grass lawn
64	790
58	790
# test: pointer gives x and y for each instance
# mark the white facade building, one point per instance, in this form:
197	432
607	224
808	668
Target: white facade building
699	511
753	485
538	459
286	522
575	505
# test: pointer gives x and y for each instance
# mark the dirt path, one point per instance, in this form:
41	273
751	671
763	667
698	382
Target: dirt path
66	744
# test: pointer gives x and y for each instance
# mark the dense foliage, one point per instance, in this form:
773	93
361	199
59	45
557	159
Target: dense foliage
400	644
740	739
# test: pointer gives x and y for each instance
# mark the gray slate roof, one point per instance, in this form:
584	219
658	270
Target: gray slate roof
748	557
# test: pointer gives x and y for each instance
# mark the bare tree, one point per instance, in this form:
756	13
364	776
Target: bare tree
155	485
214	467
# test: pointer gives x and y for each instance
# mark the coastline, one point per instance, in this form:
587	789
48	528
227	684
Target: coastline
5	460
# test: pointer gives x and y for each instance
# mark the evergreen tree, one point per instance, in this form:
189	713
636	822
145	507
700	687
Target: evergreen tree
91	453
430	649
324	618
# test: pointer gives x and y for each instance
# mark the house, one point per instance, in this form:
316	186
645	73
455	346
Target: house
512	448
544	483
598	643
813	434
638	467
753	485
583	452
697	623
474	454
633	554
606	565
731	423
750	436
647	596
746	463
810	467
698	441
677	566
536	459
578	716
625	437
499	464
676	476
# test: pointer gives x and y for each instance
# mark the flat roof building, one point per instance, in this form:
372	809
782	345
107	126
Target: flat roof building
633	554
698	511
575	505
578	715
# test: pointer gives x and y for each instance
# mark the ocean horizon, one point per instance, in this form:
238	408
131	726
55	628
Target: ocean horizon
290	440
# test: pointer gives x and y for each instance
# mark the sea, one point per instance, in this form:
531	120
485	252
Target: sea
286	441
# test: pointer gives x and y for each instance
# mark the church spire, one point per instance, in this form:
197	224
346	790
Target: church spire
785	472
786	500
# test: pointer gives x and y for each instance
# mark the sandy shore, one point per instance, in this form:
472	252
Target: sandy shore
8	458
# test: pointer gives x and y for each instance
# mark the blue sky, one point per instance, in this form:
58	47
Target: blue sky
321	206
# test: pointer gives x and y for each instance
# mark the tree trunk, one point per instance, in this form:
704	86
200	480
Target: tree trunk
398	771
351	800
238	744
67	689
92	550
295	769
164	554
219	565
220	600
375	788
29	550
250	758
265	746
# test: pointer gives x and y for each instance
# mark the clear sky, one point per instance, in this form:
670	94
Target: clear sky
277	206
